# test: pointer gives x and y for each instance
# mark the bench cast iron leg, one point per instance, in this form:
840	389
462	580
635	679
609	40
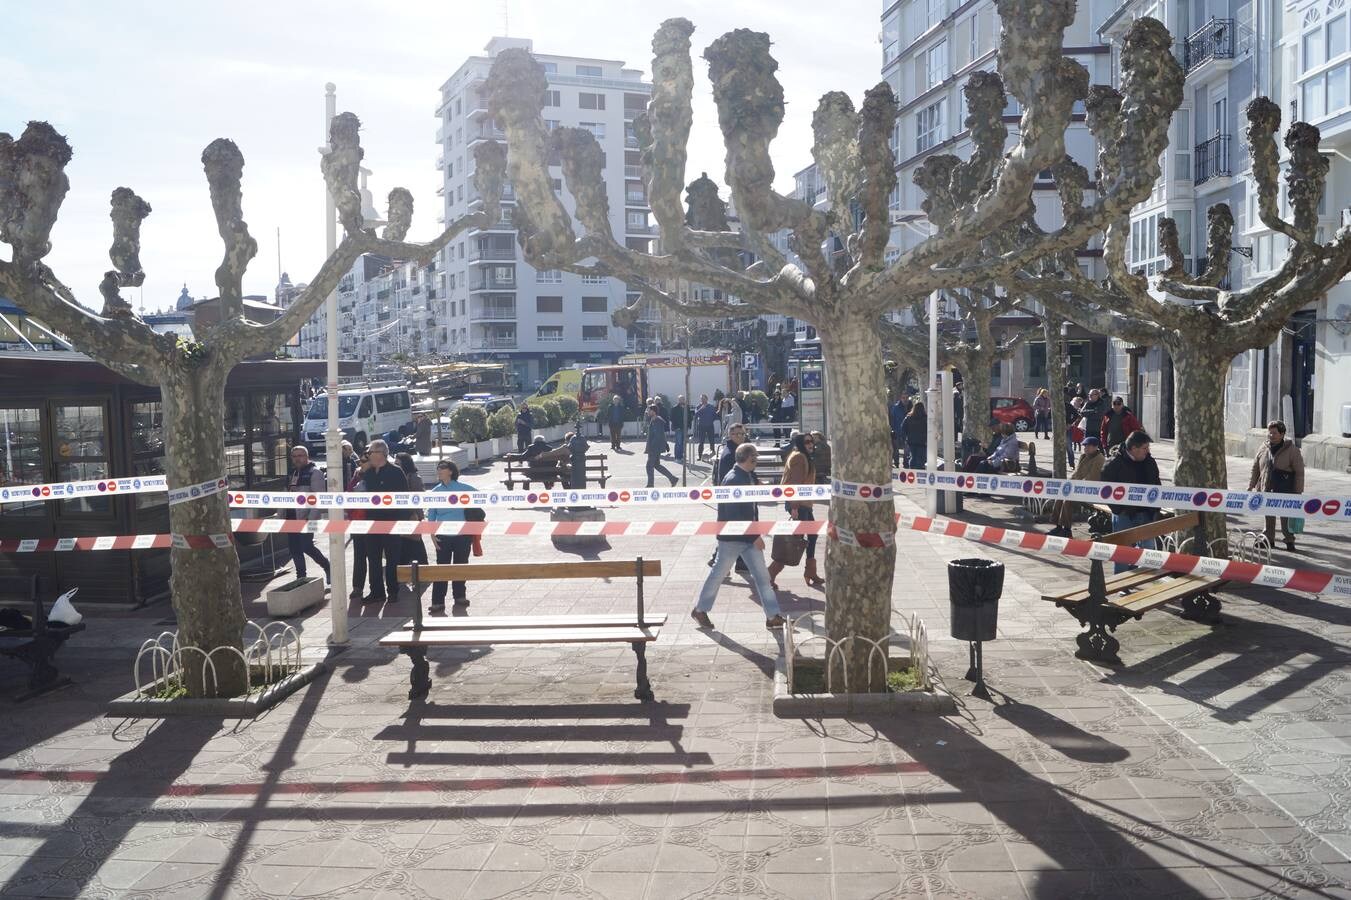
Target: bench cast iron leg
1202	608
39	655
419	679
644	690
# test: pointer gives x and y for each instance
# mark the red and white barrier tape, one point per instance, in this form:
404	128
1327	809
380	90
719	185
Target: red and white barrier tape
1313	582
1216	500
108	487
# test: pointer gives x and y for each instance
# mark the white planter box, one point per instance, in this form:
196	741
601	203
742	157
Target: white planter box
504	445
484	449
294	596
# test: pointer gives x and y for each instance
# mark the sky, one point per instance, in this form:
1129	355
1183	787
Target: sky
139	88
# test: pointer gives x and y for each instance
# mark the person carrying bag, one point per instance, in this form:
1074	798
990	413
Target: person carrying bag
788	548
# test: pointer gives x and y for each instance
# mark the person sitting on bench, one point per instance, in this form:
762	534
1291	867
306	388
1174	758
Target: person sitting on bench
1133	465
1006	450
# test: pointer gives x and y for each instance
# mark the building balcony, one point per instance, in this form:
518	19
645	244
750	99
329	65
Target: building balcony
492	312
631	142
634	173
487	134
635	198
1212	159
481	254
492	284
495	342
640	229
508	195
1213	40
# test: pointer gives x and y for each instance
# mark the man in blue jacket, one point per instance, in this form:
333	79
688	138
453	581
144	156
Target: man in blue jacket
732	547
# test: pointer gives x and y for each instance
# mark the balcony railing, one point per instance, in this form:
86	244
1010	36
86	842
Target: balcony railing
492	284
633	171
1213	40
499	342
635	198
476	253
1212	159
640	229
492	311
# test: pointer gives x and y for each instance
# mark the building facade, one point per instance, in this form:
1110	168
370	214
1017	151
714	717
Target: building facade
491	304
929	50
1233	51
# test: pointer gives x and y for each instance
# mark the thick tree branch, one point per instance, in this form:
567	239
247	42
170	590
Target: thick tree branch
224	166
666	127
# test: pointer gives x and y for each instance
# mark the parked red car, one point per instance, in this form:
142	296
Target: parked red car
1014	410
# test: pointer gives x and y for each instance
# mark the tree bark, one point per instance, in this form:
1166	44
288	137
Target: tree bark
204	582
858	579
1055	378
1200	375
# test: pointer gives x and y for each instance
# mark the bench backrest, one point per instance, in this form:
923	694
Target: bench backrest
26	589
523	571
1151	530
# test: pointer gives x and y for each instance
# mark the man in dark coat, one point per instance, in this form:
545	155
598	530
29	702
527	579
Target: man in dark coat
1133	465
525	423
383	551
656	446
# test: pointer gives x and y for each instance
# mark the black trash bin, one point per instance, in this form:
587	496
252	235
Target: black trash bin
974	588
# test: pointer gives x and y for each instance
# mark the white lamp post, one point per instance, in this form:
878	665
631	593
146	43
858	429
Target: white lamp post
933	405
336	540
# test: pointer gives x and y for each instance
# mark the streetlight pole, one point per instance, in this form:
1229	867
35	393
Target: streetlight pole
337	553
933	407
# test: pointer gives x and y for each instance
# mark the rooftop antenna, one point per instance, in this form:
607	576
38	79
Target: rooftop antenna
506	19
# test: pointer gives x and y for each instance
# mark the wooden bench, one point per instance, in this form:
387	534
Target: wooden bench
36	645
1107	602
552	471
638	629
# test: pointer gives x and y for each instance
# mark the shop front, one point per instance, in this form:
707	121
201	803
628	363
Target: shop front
66	418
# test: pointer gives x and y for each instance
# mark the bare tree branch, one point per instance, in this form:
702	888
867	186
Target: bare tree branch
224	166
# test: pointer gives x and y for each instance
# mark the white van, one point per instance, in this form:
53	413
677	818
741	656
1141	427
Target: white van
364	414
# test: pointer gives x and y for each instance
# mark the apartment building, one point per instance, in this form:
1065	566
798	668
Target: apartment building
1232	51
929	50
490	303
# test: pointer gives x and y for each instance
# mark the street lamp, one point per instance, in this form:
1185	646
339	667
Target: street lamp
336	538
933	404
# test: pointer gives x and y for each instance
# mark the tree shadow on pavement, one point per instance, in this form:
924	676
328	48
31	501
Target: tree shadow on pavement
1064	737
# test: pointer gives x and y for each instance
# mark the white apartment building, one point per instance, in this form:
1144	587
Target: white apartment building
929	49
1298	54
492	305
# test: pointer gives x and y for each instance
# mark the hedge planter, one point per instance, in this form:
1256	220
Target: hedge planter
294	596
135	705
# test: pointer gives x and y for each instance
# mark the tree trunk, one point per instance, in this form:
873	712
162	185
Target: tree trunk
858	579
976	365
1200	375
1055	377
204	582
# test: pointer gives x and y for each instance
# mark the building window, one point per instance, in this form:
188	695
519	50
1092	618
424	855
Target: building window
636	219
548	276
1325	88
929	125
595	304
549	334
590	101
549	68
550	124
21	457
548	304
593	333
594	279
79	441
891	39
589	71
552	98
935	10
596	128
936	63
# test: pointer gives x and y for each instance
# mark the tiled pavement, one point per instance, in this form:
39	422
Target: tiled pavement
1213	764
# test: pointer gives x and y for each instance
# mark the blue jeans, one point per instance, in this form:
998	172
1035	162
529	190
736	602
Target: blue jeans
679	443
754	558
1120	522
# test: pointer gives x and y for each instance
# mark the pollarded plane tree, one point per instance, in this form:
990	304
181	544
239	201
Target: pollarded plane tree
191	374
1201	324
844	298
973	349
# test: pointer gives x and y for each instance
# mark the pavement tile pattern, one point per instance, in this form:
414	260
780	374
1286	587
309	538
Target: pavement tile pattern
1212	764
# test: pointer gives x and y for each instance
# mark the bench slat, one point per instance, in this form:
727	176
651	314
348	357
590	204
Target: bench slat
1150	530
589	620
1114	583
1165	591
484	636
523	571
